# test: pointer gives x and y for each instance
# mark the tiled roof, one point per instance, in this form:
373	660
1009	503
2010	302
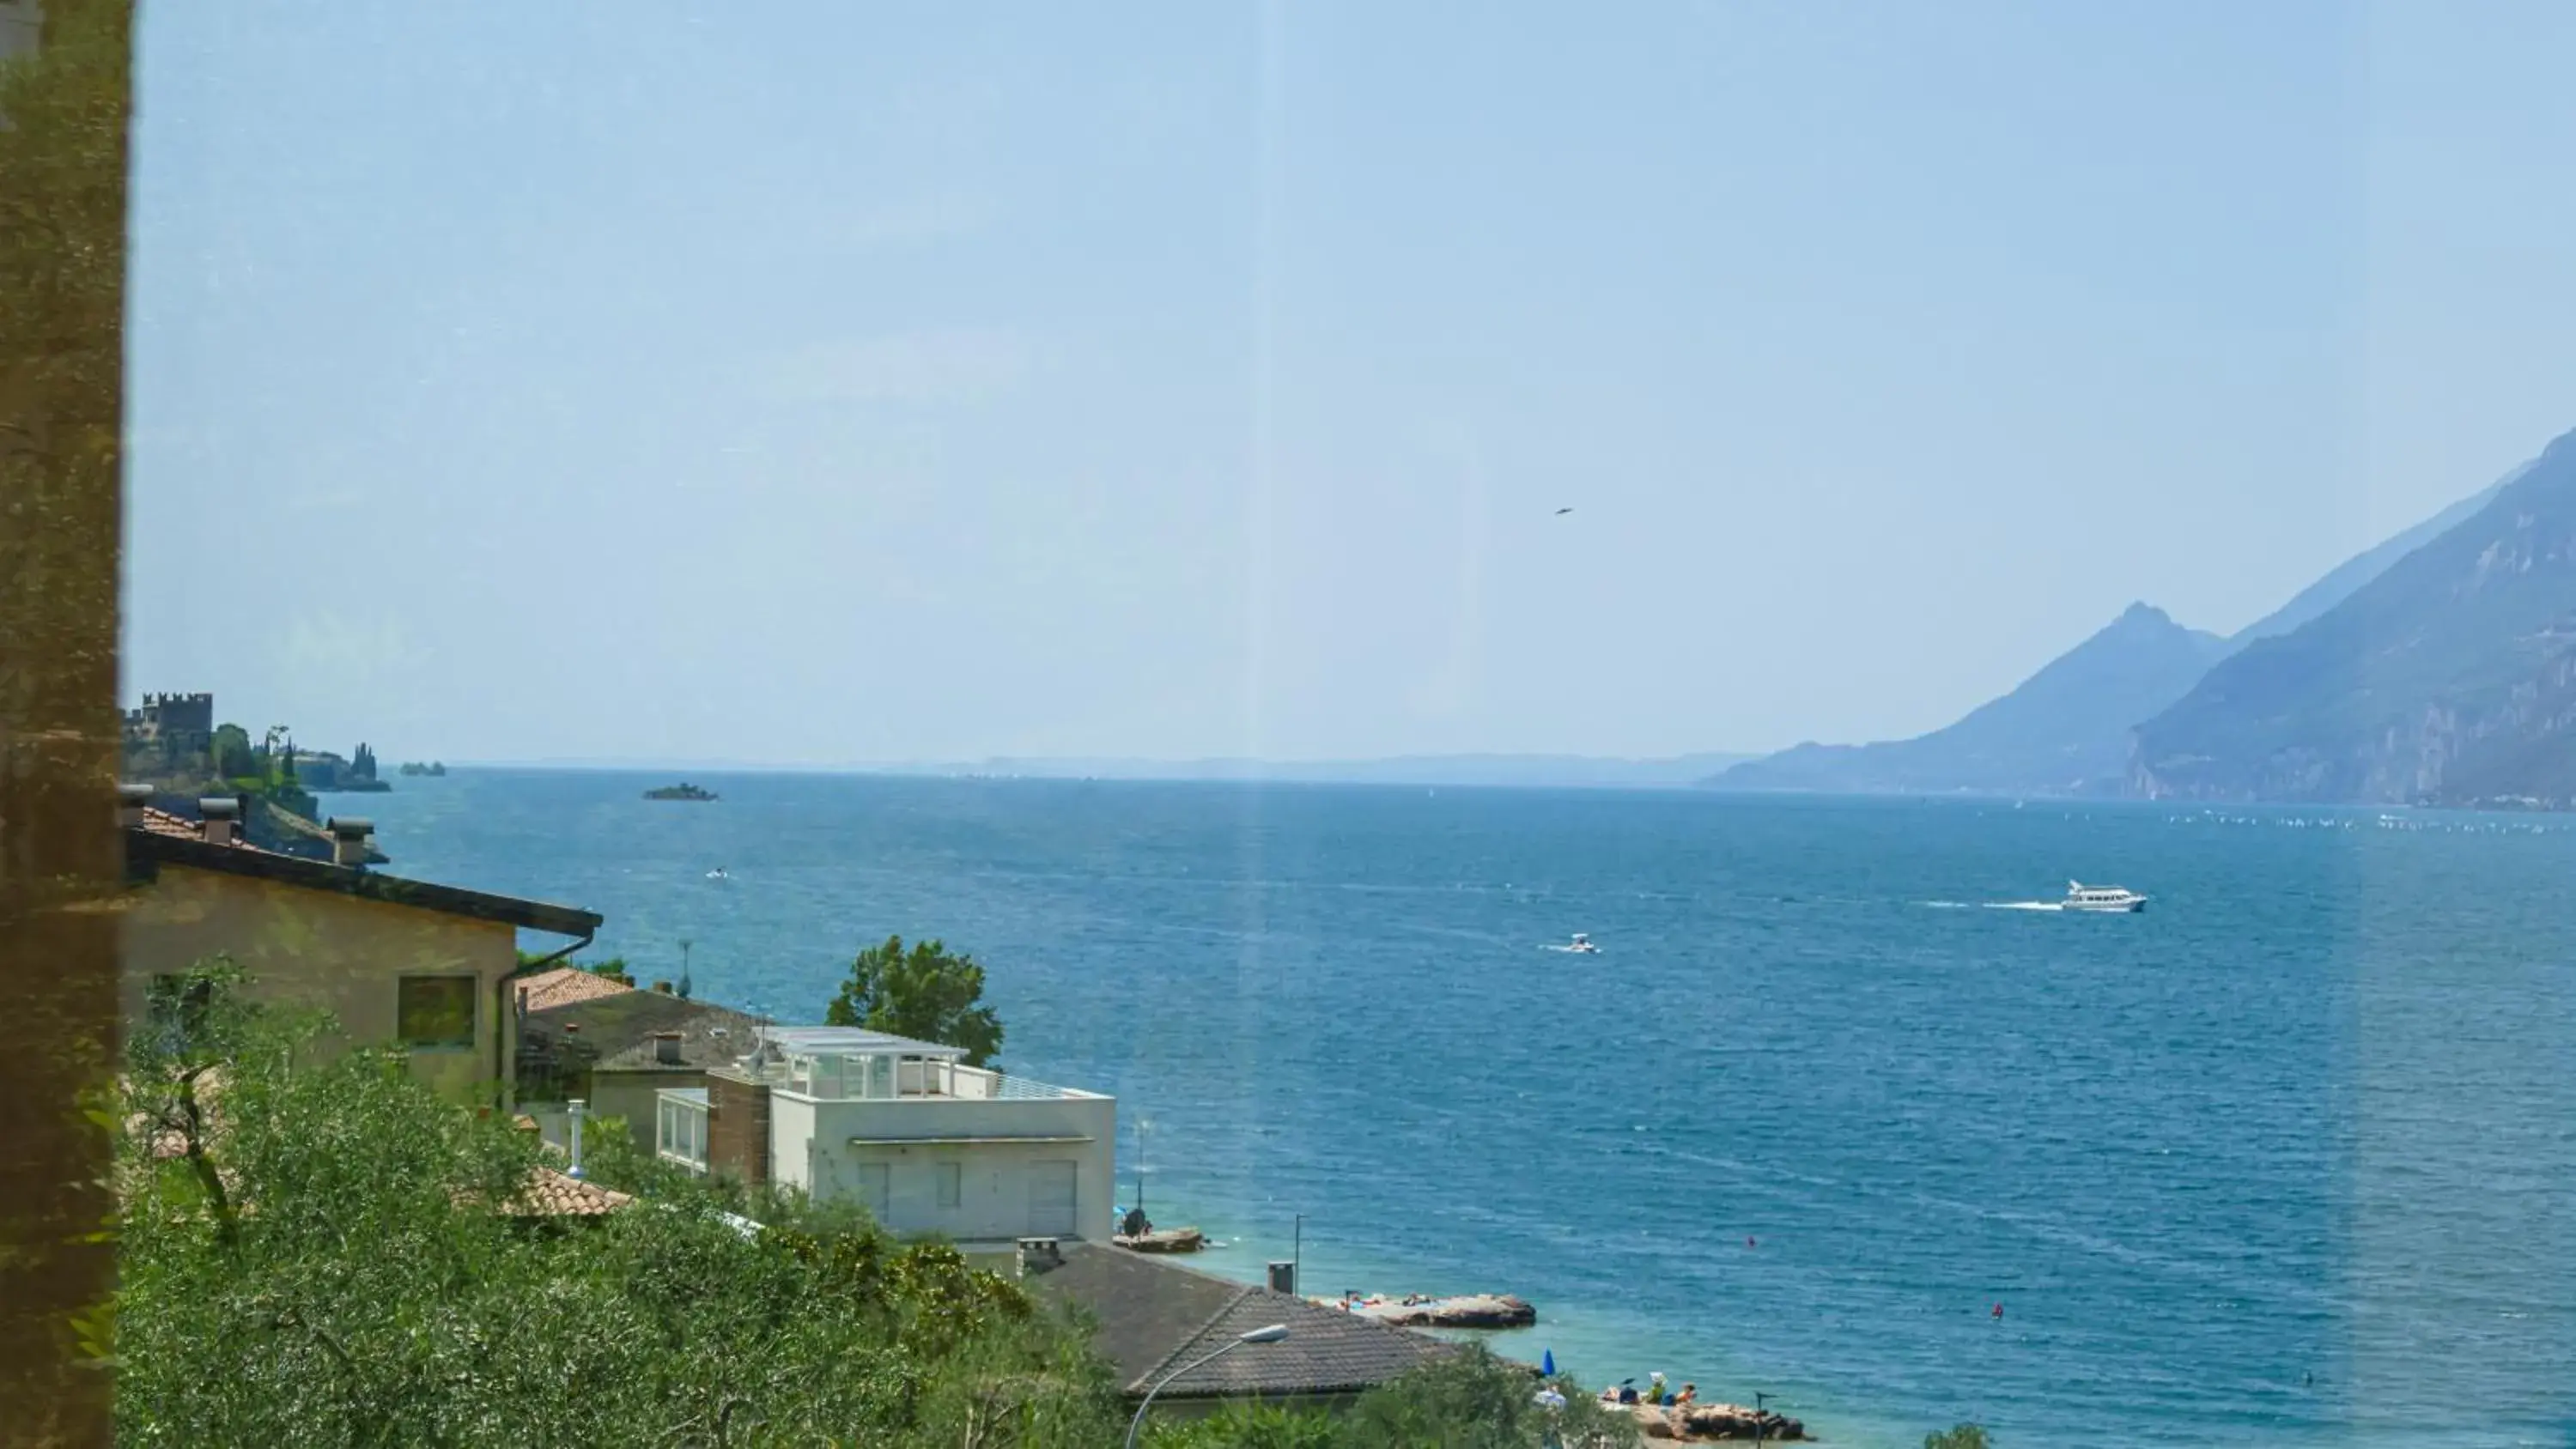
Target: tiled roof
147	849
563	986
1155	1316
158	821
552	1194
1326	1351
616	1034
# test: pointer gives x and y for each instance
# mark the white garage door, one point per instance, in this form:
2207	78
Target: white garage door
1051	1205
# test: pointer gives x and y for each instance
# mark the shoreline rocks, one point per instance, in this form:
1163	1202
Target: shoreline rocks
1478	1310
1705	1423
1162	1240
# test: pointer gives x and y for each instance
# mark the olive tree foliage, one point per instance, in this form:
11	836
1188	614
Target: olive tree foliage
316	1251
1467	1400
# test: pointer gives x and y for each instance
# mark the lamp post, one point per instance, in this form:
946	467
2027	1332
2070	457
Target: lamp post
1141	1124
1272	1334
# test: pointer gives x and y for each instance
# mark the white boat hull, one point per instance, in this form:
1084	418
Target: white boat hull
2109	900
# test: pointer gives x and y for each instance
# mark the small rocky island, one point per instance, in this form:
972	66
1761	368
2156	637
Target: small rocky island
681	791
415	767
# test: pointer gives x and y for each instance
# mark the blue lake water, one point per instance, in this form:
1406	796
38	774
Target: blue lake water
2289	1159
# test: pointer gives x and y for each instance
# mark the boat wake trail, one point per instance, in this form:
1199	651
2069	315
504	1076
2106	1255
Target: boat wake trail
2023	906
1947	905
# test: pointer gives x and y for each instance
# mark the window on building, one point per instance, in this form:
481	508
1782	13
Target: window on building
951	1180
435	1011
681	1134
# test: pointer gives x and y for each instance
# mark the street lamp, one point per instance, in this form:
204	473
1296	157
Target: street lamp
1272	1334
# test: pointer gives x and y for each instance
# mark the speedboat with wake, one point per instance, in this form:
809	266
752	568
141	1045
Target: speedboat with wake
2110	899
1581	945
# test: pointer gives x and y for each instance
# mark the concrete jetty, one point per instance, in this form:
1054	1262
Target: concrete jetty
1162	1240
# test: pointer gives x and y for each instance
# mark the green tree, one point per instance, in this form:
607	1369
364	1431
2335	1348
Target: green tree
1473	1400
1963	1436
1468	1400
317	1250
1249	1426
924	992
234	757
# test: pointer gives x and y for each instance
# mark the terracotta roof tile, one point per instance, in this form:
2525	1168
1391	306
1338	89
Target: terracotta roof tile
563	986
553	1194
158	821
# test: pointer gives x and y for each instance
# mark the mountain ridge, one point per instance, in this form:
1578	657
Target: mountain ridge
2448	679
2063	730
2349	577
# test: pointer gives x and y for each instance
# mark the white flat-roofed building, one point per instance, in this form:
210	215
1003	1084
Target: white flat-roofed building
927	1144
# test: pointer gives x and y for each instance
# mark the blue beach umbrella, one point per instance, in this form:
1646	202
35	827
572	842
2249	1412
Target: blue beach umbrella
1547	1363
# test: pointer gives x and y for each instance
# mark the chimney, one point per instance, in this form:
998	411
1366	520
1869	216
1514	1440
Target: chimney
666	1048
738	1144
1039	1255
130	800
1283	1276
223	818
349	840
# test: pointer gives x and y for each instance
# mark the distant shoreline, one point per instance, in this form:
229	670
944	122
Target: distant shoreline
1689	787
1541	772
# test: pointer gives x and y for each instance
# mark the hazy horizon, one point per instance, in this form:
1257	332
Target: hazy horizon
805	385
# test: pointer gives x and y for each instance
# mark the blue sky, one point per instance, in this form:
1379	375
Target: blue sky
822	383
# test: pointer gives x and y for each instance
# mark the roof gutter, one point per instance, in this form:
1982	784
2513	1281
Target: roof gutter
503	1070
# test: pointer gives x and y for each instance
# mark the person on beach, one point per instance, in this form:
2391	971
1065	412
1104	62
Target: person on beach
1655	1391
1688	1396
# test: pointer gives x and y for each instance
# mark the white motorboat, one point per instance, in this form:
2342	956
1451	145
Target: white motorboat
1581	945
2082	897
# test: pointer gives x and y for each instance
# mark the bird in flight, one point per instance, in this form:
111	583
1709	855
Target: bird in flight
1563	511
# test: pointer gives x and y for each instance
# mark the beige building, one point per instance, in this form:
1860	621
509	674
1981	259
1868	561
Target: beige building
394	961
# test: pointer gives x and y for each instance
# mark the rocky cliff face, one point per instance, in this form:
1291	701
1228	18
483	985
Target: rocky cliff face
2449	679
